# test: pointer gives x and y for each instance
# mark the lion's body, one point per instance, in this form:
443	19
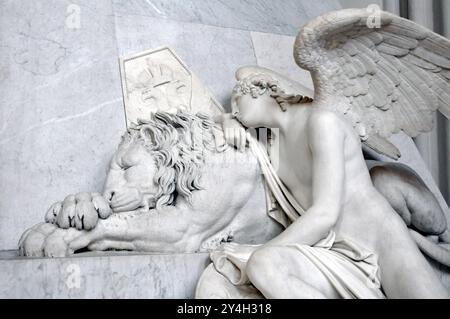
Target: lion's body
221	197
230	207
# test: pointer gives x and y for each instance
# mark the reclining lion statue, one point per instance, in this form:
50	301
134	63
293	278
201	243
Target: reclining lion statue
173	186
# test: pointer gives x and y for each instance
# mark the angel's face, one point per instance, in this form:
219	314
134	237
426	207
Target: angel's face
255	111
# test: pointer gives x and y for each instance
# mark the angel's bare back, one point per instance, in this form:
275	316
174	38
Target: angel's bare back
365	217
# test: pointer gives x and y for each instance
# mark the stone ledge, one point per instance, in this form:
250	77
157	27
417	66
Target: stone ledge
101	275
111	275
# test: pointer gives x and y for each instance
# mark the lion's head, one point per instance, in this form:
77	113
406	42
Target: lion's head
159	160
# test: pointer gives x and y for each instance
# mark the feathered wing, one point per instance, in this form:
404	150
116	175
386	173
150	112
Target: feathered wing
384	79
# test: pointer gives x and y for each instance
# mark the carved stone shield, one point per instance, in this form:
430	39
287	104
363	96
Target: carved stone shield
158	80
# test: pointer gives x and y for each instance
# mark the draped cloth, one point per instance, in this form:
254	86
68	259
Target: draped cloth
352	270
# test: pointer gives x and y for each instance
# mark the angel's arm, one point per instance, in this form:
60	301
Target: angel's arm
234	131
326	139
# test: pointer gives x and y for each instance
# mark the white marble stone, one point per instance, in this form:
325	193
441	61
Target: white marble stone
77	69
212	53
284	17
101	275
61	113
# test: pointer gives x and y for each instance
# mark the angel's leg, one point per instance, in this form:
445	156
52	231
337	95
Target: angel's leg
405	273
282	272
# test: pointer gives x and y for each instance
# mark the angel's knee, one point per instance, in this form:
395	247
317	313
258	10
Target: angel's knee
263	264
283	272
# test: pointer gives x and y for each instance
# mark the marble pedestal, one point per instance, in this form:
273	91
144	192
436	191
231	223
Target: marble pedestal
101	275
110	275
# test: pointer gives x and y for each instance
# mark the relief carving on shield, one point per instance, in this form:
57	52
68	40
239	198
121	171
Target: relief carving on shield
158	80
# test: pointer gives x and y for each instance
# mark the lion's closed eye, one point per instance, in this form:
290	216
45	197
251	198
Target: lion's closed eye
123	164
130	159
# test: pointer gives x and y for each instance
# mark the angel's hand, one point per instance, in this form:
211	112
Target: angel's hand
234	132
238	254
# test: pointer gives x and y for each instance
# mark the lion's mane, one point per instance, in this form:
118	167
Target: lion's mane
178	143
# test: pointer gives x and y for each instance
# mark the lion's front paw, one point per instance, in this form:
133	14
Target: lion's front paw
31	244
80	211
47	240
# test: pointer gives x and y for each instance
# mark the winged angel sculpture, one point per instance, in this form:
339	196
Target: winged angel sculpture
344	238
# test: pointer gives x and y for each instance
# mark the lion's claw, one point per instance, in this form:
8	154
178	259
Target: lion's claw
52	213
81	211
86	216
101	206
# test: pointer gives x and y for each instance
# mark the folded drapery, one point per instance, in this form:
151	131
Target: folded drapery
282	205
349	268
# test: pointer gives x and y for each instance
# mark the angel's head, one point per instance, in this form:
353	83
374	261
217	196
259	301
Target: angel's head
258	97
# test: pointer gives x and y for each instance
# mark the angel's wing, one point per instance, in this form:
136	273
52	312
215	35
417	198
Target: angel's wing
388	78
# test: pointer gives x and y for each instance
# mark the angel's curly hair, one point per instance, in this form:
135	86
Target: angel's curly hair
177	142
259	83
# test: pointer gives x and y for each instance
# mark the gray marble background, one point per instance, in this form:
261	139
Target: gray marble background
61	111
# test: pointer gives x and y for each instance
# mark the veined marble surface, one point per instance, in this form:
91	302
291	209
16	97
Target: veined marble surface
101	275
280	60
281	17
109	275
61	113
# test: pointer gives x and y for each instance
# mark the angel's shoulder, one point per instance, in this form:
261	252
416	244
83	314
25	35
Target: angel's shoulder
321	119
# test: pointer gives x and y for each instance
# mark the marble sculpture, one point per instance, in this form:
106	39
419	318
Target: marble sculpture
335	225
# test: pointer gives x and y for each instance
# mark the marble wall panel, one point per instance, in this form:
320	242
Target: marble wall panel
281	17
61	114
280	59
212	53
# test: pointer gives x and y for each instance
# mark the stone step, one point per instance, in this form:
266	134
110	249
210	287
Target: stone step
101	275
111	275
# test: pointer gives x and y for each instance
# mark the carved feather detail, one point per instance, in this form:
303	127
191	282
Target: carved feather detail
393	77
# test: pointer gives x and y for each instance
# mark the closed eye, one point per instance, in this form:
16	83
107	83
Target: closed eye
124	164
125	167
